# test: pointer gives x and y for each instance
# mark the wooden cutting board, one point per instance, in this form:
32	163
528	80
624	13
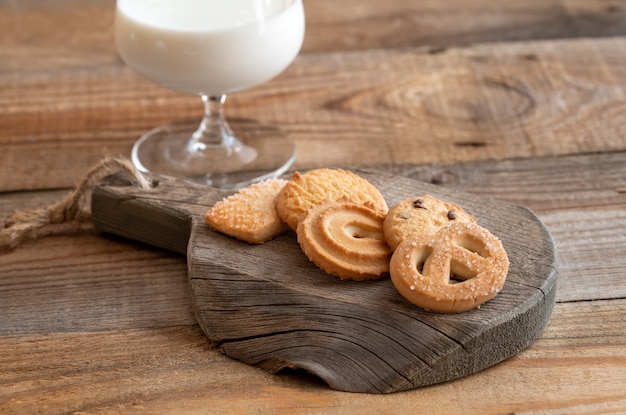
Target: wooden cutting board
268	306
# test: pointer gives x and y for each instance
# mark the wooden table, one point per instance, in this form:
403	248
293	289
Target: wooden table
519	101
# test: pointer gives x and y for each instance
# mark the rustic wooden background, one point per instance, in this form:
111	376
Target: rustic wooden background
520	101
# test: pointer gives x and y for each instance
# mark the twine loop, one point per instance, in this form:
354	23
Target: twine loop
72	214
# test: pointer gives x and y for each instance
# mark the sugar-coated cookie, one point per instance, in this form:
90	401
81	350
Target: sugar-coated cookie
307	190
250	214
457	269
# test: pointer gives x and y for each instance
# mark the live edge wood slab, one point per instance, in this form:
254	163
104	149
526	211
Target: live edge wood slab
268	306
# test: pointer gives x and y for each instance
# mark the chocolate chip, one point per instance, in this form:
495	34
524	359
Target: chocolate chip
418	204
451	215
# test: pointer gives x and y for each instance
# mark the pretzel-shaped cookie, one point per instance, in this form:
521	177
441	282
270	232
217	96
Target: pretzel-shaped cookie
346	240
459	268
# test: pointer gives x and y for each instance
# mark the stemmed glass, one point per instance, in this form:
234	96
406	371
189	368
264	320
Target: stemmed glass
211	48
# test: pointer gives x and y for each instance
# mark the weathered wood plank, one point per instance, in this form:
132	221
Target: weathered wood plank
165	370
85	37
490	101
580	198
269	306
440	24
90	282
67	365
579	182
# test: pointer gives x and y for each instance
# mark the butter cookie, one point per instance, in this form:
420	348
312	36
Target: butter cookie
423	215
345	240
307	190
457	269
250	214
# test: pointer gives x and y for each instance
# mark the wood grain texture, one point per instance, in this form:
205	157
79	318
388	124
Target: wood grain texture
409	96
88	282
590	207
440	24
576	367
269	306
387	107
68	363
331	26
100	325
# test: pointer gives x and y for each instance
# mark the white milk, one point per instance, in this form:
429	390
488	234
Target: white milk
209	47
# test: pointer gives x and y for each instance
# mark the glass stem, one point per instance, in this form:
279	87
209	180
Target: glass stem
213	130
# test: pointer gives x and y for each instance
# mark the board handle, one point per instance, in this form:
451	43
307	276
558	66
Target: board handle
162	215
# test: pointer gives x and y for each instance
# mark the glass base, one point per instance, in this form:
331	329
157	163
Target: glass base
254	152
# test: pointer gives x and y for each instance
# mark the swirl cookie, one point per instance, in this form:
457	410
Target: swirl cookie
250	214
345	240
423	215
307	190
457	269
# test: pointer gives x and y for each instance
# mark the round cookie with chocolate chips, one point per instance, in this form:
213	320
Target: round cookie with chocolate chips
420	215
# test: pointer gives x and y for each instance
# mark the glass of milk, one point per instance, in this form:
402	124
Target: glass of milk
211	48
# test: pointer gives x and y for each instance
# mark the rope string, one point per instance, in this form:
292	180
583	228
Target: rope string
71	214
